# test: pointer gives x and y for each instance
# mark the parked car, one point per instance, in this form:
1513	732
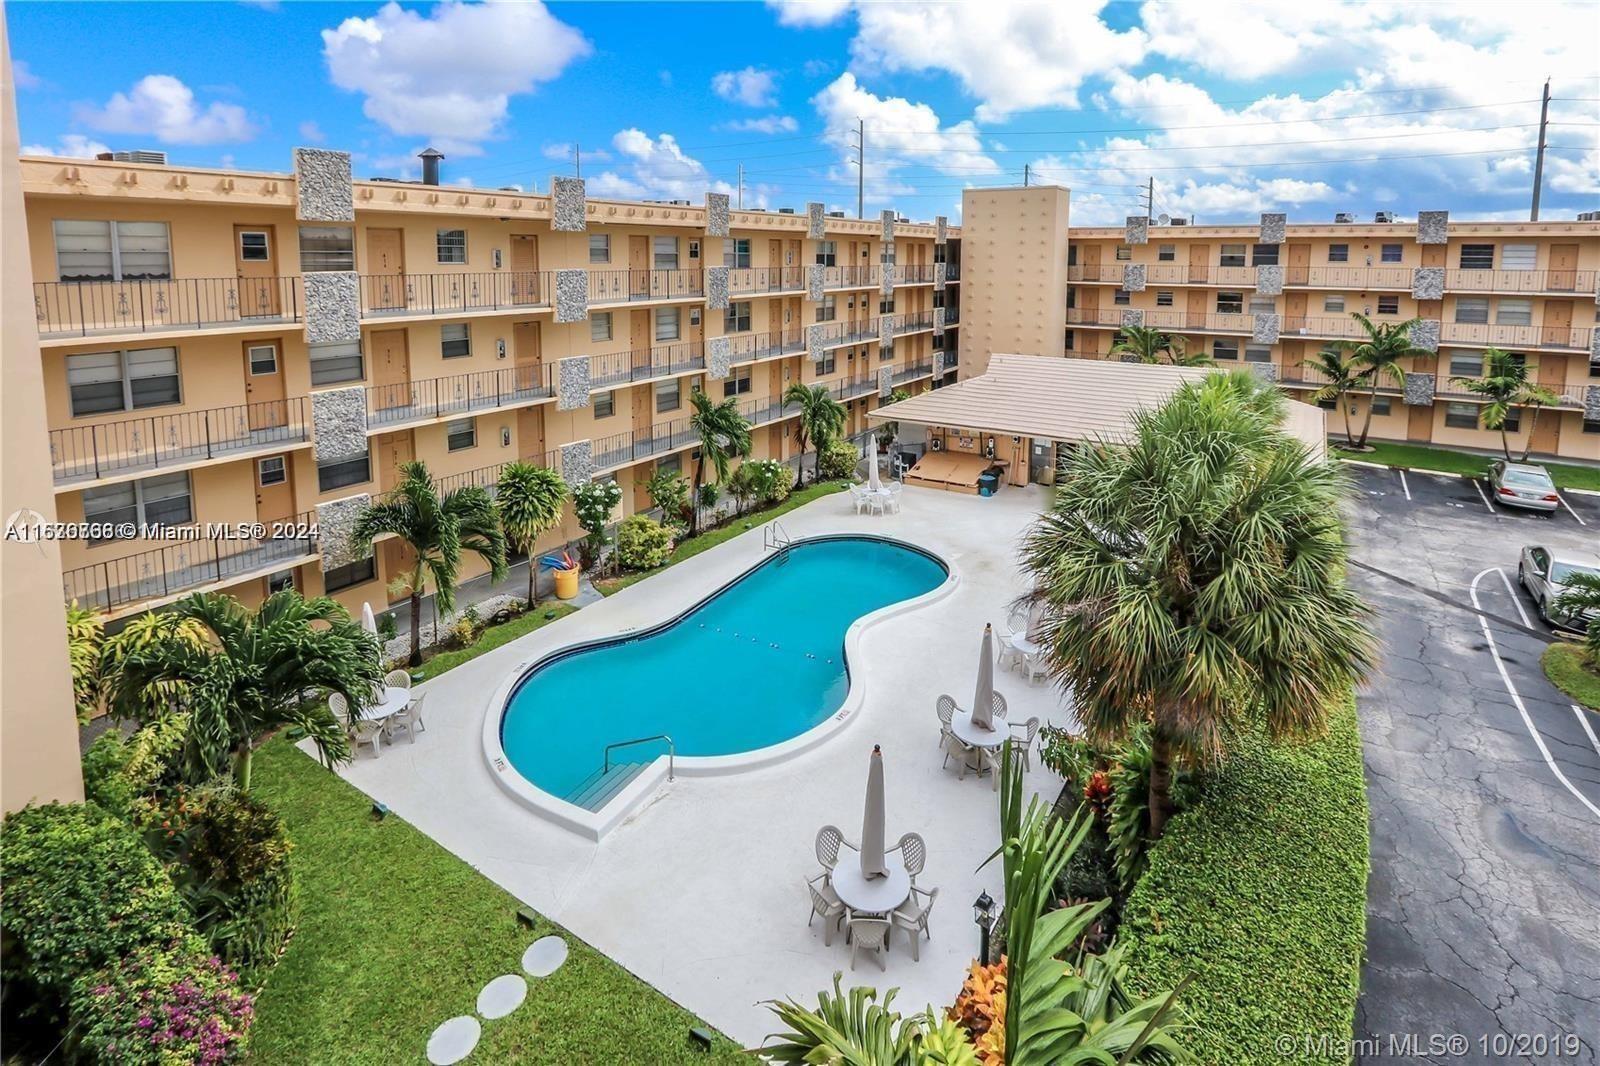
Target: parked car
1544	572
1523	485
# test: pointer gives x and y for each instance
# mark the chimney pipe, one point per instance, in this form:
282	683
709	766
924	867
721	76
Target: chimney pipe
430	165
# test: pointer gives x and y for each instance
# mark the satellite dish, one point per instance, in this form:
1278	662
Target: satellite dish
1163	220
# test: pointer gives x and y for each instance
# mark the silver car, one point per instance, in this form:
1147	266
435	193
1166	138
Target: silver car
1522	485
1545	572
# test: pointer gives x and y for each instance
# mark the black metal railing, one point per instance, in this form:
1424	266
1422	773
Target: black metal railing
86	453
1349	278
750	347
914	273
456	292
155	305
619	368
630	286
1560	281
458	394
623	449
747	281
1502	335
850	277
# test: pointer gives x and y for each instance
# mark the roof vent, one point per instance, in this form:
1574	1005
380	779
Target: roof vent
1178	220
1384	217
835	214
1589	216
785	210
1343	217
137	156
430	165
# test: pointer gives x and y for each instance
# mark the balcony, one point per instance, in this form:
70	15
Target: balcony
1345	328
1200	322
69	309
1452	387
952	315
761	412
398	295
1349	278
952	272
912	373
625	449
756	281
1095	316
620	368
191	563
850	388
610	287
753	347
915	274
80	454
1559	282
850	277
1500	335
431	399
488	477
859	331
910	322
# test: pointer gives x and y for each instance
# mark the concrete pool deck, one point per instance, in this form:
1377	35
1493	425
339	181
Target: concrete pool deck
702	892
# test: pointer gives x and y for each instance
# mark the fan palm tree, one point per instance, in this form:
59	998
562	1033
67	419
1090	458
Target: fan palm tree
1341	377
1150	345
438	529
1377	358
249	674
723	434
530	499
1193	579
1581	594
1506	385
821	419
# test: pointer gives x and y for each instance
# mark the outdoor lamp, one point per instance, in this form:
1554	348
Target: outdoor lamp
983	914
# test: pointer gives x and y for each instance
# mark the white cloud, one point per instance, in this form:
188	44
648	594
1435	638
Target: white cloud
809	12
163	107
312	133
751	86
816	68
23	77
74	145
655	169
767	124
450	75
562	153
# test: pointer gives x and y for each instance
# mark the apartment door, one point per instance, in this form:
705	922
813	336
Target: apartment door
264	390
638	267
256	263
1294	312
1195	312
386	264
641	333
1433	255
1299	269
391	368
274	488
697	329
525	288
392	451
1015	451
530	434
793	278
528	361
1419	423
774	262
1089	257
1199	263
1563	267
1557	331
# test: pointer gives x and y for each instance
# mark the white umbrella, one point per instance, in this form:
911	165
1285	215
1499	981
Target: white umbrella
983	697
368	622
872	821
873	483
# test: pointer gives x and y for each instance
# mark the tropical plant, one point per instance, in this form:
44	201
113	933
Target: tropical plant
742	486
821	419
1377	359
96	659
887	431
1149	345
723	435
85	632
161	1005
594	502
853	1027
1581	593
124	775
254	673
709	495
642	543
839	459
1193	580
1340	377
669	492
438	530
770	479
1507	386
530	499
980	1008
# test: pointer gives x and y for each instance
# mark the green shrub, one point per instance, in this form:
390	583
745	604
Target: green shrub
121	775
163	1005
1259	892
593	503
770	479
642	543
669	491
838	460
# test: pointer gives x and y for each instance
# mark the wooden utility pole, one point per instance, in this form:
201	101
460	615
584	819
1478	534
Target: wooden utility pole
861	168
1538	159
577	159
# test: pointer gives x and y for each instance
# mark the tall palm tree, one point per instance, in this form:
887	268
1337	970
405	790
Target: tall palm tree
1150	345
1378	359
249	674
1342	377
821	419
1506	385
1193	579
530	499
438	529
723	434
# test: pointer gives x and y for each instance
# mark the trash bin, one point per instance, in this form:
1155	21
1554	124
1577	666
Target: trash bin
566	584
987	484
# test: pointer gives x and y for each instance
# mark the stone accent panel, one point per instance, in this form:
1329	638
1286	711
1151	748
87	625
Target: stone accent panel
1133	277
719	357
938	321
577	462
569	205
1137	230
572	383
816	222
333	306
1594	345
572	295
1265	371
885	381
814	342
1425	334
1264	328
941	229
1427	283
1133	316
1273	227
941	276
885	331
1591	403
1418	389
816	282
716	214
1127	357
322	186
939	364
1269	280
336	520
886	280
888	226
717	288
1433	227
339	423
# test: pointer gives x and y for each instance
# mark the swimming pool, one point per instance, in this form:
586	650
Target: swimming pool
757	663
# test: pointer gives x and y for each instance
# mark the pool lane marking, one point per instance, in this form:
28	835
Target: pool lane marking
1570	511
1516	697
1583	720
1403	483
1481	496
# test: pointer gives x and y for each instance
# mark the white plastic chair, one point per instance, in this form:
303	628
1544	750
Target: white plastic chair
858	496
830	838
1030	730
340	707
878	502
912	916
892	500
368	733
945	708
870	934
913	854
1035	667
1006	654
409	719
397	679
824	902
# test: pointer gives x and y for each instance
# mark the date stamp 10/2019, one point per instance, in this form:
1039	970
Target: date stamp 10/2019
1536	1047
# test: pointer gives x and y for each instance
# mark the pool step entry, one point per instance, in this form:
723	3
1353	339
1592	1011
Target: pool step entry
596	790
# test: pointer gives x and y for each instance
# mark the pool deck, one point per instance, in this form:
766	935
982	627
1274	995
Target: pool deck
702	893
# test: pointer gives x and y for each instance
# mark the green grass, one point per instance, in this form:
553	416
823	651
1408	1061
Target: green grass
1564	665
396	935
1259	892
609	586
1452	462
494	636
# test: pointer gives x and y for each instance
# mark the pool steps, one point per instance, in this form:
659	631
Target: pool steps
596	790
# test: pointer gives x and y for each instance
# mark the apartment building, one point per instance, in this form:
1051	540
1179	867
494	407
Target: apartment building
223	347
1271	295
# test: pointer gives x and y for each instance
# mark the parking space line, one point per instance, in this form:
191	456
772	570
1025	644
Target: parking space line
1516	601
1583	720
1570	511
1481	496
1403	483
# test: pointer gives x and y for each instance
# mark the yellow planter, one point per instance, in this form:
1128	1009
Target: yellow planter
566	584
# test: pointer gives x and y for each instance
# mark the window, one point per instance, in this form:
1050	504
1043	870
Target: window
112	251
600	325
1223	348
1230	303
455	340
461	434
665	250
1519	256
1264	255
1333	305
1263	305
254	246
279	581
1466	364
1163	297
1072	255
122	381
886	352
827	253
827	310
327	248
1380	405
1477	257
736	253
1388	305
1513	420
342	472
605	404
737	318
1232	255
1338	253
886	305
333	363
452	245
828	363
350	575
1591	425
737	383
1166	253
1461	415
1391	253
1122	298
599	247
1514	313
1258	353
164	500
1472	309
263	359
271	471
1072	341
669	395
1124	253
666	319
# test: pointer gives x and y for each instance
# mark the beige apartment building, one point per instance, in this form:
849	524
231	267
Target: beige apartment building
222	347
1271	295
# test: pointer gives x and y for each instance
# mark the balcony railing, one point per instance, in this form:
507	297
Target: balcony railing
624	449
747	281
952	314
1094	316
750	347
455	293
458	394
87	453
1505	336
760	412
912	373
952	272
1345	328
1561	281
1200	322
914	274
1453	387
167	571
911	322
1349	278
619	368
487	477
88	308
850	277
633	286
858	331
1092	272
850	388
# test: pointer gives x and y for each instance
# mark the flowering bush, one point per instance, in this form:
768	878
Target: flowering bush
593	503
163	1005
770	479
642	543
839	459
980	1009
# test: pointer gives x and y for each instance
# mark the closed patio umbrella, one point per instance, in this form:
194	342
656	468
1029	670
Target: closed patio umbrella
983	697
872	820
368	622
873	481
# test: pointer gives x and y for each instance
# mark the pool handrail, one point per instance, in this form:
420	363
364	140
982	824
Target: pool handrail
605	766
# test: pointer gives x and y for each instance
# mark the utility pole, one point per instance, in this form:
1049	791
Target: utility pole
1025	175
577	159
1538	160
1149	200
741	186
861	168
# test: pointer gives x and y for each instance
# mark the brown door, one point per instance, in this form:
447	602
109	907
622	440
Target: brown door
525	287
1419	423
1089	255
1299	272
1563	267
530	434
391	369
274	488
1199	263
1557	330
644	409
255	250
528	361
386	267
393	450
398	558
774	262
638	266
263	385
1195	313
697	328
641	334
1294	312
1433	255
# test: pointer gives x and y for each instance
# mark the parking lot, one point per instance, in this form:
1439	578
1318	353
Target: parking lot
1483	778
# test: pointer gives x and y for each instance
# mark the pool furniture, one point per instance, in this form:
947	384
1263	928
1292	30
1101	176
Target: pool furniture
983	692
877	895
945	708
980	741
825	902
1030	730
829	839
914	853
860	498
408	718
397	679
912	916
869	934
873	863
391	700
892	496
339	706
367	733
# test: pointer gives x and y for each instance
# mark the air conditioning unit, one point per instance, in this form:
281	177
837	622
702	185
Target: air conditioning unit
785	210
137	156
835	214
1178	220
1589	216
1344	217
1383	217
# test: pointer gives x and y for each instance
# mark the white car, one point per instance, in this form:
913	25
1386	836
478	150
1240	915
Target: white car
1544	572
1526	485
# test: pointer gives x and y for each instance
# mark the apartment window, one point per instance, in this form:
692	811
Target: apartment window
1391	253
1513	420
1163	297
342	472
736	253
1263	305
1477	257
827	310
886	305
1380	405
1474	309
599	325
1258	353
1519	256
122	381
886	352
279	581
1388	305
599	247
1333	305
1591	425
665	251
1072	297
1072	255
1514	313
164	500
1264	255
1122	298
605	404
112	251
333	363
1232	255
263	359
1461	415
350	575
1072	341
827	364
1230	303
254	246
271	471
1223	348
327	248
1466	364
1166	253
737	383
1338	253
666	321
669	395
1124	253
737	318
461	434
452	245
455	340
827	253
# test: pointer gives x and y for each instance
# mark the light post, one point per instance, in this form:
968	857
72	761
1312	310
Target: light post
983	914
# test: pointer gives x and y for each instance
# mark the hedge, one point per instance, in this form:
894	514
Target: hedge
1259	892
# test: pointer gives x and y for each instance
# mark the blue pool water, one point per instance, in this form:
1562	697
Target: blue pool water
759	662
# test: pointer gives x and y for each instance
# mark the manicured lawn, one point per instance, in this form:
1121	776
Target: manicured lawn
695	545
1564	666
396	935
1451	462
492	637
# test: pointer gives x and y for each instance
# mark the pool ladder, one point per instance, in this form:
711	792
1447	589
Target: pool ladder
775	538
671	752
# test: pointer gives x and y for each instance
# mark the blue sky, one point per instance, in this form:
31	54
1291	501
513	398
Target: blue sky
1231	106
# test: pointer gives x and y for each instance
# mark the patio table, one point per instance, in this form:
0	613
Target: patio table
394	701
989	739
880	895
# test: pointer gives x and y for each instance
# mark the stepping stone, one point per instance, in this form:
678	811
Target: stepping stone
544	956
454	1040
502	996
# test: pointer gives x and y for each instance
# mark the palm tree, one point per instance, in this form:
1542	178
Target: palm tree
250	674
530	499
1378	357
821	418
437	529
1505	384
1150	345
1341	377
724	435
97	660
1193	579
1581	594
